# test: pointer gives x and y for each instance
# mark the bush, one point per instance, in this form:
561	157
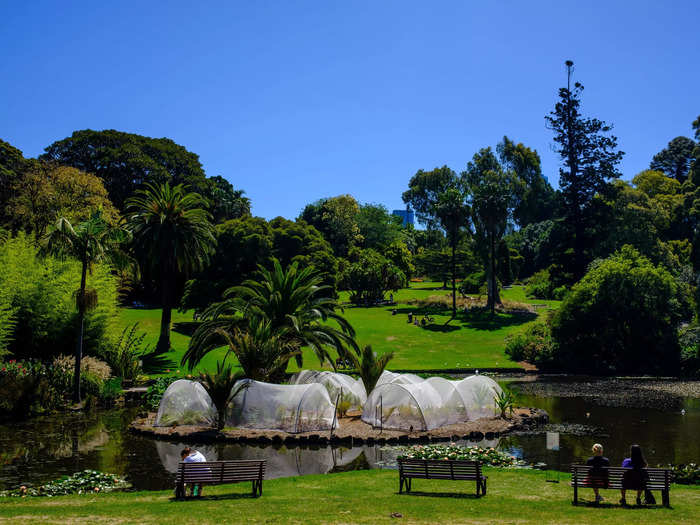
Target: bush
534	346
155	392
30	388
689	339
88	365
622	317
126	354
40	292
368	276
475	283
685	474
541	285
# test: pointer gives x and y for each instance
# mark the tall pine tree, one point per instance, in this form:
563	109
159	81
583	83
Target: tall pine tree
590	157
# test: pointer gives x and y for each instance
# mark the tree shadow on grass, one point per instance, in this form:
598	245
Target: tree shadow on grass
456	495
157	363
443	328
216	497
613	505
483	320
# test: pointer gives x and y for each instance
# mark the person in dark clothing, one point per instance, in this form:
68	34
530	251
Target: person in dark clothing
636	477
598	475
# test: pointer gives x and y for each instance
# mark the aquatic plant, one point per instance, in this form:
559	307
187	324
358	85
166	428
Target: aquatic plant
487	456
85	482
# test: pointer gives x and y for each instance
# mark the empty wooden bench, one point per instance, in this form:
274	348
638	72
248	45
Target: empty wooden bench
461	470
220	472
583	476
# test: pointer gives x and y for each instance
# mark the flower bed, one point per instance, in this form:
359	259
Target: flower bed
487	456
85	482
685	474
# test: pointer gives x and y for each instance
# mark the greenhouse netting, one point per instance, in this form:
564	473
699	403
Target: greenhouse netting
451	397
351	390
402	379
185	403
479	394
289	408
405	407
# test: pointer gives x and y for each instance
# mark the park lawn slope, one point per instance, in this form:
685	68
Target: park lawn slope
470	341
521	497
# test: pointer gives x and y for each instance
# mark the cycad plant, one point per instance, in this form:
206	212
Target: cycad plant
89	242
504	402
370	366
173	236
222	388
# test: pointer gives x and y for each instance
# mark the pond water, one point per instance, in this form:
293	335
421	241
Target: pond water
43	449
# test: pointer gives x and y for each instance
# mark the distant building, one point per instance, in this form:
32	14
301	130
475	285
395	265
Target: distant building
406	216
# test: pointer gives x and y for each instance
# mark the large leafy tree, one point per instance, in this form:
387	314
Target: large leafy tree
378	227
172	237
226	201
89	242
12	164
424	188
336	219
590	157
493	192
675	159
369	276
125	161
294	303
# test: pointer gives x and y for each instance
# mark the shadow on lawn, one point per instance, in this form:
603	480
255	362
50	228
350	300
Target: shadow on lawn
456	495
157	363
217	497
476	319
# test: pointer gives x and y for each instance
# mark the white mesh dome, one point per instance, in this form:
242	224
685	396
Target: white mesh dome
455	410
402	379
402	406
479	393
185	403
289	408
353	390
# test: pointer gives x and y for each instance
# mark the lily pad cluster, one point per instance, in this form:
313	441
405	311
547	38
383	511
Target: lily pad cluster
487	456
85	482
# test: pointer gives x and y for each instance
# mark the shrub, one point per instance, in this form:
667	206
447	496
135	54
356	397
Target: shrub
125	355
622	317
689	339
475	283
88	365
30	388
369	276
155	391
534	345
685	474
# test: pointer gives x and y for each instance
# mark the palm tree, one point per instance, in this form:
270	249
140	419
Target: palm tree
262	351
293	300
173	236
222	388
89	242
370	367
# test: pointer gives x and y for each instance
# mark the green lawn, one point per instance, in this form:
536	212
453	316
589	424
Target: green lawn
470	341
358	497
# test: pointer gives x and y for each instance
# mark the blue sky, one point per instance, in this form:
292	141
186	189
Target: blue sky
294	101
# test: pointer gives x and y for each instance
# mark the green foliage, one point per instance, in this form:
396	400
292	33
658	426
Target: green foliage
541	286
156	390
378	228
504	402
622	317
343	407
28	388
675	159
369	276
336	219
424	190
475	283
111	390
685	474
534	345
125	354
221	387
39	296
85	482
689	339
370	366
226	202
487	456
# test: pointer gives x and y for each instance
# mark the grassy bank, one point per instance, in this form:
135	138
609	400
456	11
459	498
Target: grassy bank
357	497
470	341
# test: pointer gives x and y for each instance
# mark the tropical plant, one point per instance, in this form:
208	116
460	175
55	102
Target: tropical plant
173	236
370	366
504	401
222	388
124	355
89	242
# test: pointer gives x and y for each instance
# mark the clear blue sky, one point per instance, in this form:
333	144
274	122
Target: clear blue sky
294	101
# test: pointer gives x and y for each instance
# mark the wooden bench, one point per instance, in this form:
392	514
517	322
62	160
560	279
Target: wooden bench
657	479
219	472
462	470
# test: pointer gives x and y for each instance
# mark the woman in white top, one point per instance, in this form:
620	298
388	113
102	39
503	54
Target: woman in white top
193	456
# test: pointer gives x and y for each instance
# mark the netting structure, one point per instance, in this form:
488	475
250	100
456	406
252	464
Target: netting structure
185	403
288	408
431	403
402	379
350	390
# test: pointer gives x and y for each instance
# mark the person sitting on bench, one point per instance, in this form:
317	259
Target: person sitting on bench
636	477
598	475
193	456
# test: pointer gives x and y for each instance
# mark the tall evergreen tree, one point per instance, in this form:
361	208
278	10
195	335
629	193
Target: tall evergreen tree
675	159
590	157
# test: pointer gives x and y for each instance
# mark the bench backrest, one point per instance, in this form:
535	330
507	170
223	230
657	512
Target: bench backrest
440	469
213	472
650	478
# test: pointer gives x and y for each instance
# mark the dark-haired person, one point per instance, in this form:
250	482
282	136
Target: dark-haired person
598	475
193	456
636	477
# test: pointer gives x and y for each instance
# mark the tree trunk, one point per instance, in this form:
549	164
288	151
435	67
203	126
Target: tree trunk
79	346
163	344
493	296
454	283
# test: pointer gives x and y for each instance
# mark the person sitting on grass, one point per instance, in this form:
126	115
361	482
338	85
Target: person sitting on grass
636	477
193	456
598	475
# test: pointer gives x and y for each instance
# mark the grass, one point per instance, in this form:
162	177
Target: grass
521	497
470	341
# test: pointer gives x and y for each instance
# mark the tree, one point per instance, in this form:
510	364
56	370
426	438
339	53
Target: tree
368	276
43	193
452	211
492	192
12	164
399	254
590	158
125	161
424	188
537	201
622	317
675	159
225	202
222	388
291	300
377	226
89	242
173	237
336	219
370	366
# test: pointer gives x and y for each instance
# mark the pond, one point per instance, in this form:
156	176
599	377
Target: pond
42	449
